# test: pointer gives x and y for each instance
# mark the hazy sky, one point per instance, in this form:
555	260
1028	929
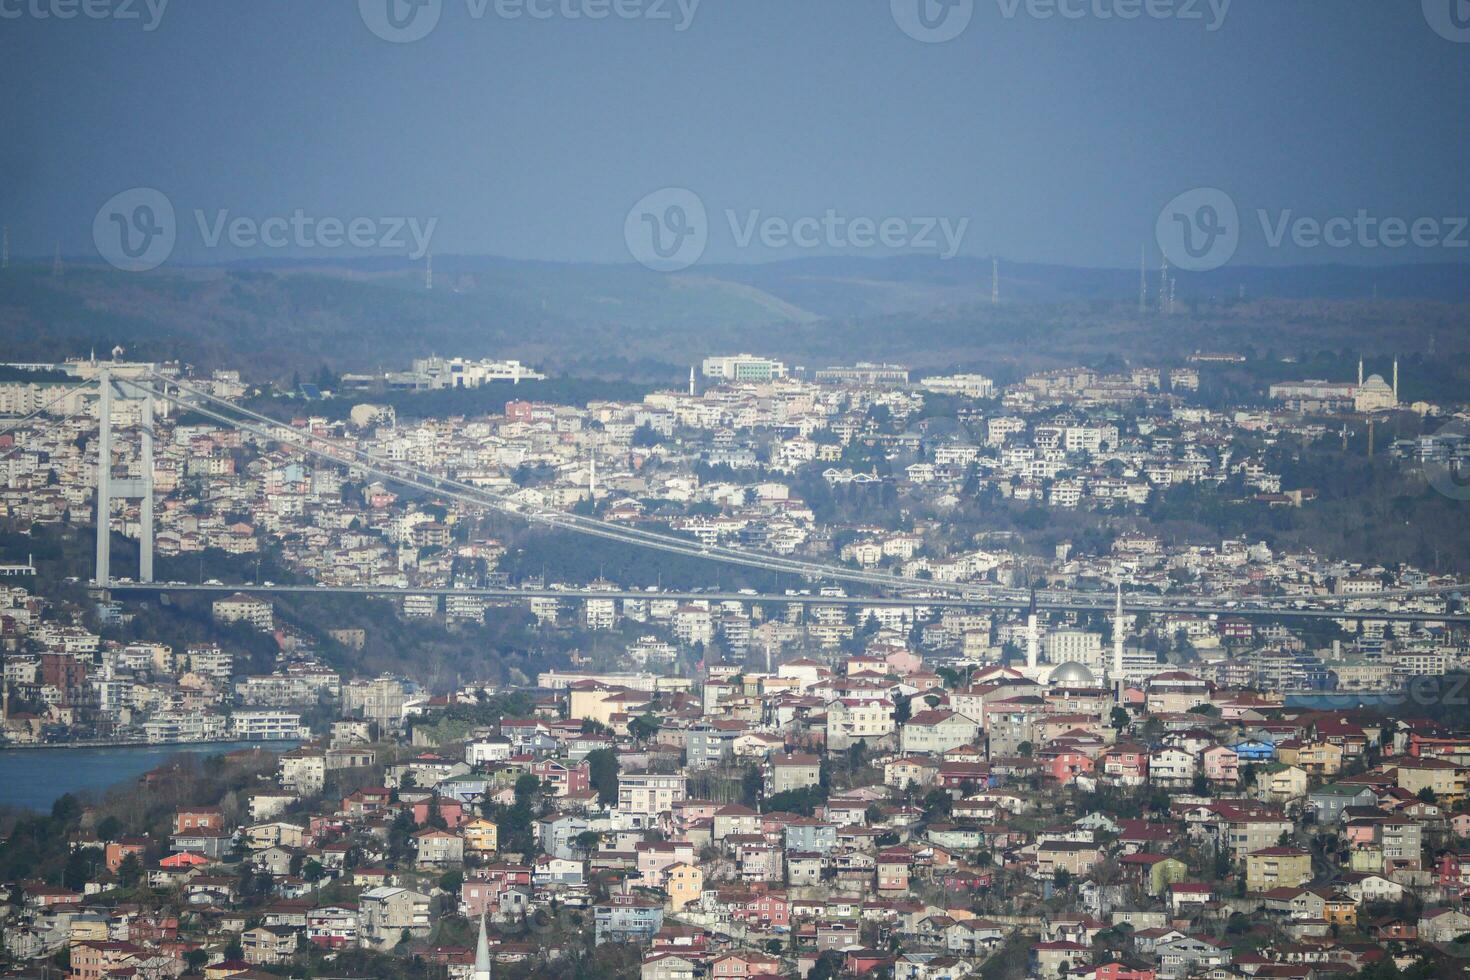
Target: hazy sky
1057	139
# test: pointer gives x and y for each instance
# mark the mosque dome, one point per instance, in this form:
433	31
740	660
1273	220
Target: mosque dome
1072	674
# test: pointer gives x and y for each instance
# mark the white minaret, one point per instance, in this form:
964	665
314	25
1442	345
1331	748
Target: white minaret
691	381
1395	381
592	478
482	954
1033	643
1118	629
1360	372
995	282
1118	675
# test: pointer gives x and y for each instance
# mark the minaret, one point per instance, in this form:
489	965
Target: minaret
1360	372
1395	382
1118	679
482	954
691	381
592	478
1033	643
995	282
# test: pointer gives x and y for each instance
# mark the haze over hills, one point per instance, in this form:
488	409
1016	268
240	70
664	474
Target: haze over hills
581	318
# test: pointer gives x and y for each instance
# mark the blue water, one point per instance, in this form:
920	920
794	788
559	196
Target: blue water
34	778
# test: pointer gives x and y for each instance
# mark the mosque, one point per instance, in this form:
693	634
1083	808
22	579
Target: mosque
1376	394
1071	674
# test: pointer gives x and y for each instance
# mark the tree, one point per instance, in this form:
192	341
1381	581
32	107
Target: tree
827	967
527	786
937	804
751	786
81	865
130	872
109	828
902	708
603	766
1119	719
586	841
643	728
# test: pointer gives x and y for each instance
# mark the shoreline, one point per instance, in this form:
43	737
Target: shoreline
111	744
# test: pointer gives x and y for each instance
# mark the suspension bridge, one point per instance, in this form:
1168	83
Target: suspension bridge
885	589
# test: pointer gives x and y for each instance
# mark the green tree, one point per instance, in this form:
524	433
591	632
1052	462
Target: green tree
643	728
130	872
110	828
603	775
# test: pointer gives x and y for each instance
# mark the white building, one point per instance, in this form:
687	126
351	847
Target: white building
743	367
251	726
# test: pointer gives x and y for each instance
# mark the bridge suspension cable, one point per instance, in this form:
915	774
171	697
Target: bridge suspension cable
345	454
410	475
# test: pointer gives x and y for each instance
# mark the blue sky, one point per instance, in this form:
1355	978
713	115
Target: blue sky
1058	139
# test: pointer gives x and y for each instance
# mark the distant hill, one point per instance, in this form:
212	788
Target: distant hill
274	318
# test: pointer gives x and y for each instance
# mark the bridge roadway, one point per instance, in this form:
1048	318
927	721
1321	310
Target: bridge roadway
399	472
1104	604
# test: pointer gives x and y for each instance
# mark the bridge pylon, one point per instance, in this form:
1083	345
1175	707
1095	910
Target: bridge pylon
110	489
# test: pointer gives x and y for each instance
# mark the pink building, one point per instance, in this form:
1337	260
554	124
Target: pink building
1222	765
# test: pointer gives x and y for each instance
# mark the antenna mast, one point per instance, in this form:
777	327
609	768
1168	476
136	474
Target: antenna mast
1143	280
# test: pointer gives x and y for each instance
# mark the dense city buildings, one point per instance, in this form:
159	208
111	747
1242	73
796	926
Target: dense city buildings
741	781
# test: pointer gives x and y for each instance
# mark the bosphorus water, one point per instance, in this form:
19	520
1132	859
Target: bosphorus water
34	778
